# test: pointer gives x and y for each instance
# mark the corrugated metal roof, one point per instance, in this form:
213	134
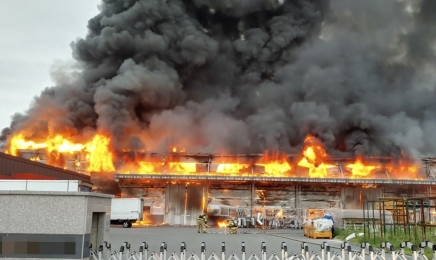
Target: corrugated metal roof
11	164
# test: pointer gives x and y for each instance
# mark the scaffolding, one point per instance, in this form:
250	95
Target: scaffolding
411	216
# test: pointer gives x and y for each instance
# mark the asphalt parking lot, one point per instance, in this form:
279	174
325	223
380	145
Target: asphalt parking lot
253	238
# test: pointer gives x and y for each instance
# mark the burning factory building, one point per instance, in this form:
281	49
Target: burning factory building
177	186
243	108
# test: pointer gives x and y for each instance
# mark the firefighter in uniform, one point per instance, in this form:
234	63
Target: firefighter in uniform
201	223
233	226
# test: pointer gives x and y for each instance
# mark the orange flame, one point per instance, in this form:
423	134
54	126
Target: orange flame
275	164
54	146
313	156
19	142
142	223
62	145
183	167
175	150
222	224
231	167
148	167
358	169
100	158
57	143
154	165
35	158
402	169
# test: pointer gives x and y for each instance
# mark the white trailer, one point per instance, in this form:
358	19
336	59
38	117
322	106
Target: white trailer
126	211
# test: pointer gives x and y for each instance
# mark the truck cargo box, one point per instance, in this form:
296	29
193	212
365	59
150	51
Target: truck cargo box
126	211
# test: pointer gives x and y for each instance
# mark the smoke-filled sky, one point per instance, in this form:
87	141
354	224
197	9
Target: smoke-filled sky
248	75
35	36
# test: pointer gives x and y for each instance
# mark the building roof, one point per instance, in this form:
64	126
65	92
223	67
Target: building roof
13	165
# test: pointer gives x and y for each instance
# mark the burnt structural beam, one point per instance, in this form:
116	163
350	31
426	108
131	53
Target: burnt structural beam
273	179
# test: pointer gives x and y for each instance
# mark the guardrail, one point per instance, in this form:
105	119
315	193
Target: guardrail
366	252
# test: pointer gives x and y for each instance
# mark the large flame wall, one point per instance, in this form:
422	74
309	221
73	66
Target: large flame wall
96	155
264	165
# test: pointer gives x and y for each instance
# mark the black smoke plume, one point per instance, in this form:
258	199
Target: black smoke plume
248	75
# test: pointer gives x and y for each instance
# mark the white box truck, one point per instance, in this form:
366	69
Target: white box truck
126	211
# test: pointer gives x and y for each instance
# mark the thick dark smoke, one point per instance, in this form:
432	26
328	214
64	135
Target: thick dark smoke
249	75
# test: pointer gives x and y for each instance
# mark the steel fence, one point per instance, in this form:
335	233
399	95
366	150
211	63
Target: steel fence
386	251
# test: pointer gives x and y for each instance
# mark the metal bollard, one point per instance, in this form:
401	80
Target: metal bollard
126	253
203	251
163	251
411	246
371	251
329	253
120	254
428	244
305	250
100	252
344	247
386	245
143	251
363	246
350	253
433	248
127	247
323	251
108	248
284	248
183	251
223	250
263	250
93	254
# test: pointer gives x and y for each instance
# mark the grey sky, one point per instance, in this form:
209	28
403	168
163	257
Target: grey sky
35	35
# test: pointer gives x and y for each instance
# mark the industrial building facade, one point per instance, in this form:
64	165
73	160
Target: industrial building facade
177	198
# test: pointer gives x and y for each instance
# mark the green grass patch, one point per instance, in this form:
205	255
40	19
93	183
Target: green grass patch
415	235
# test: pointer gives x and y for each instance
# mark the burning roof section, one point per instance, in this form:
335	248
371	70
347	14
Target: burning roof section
234	87
96	155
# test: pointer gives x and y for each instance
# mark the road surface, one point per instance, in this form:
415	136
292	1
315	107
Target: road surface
253	238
